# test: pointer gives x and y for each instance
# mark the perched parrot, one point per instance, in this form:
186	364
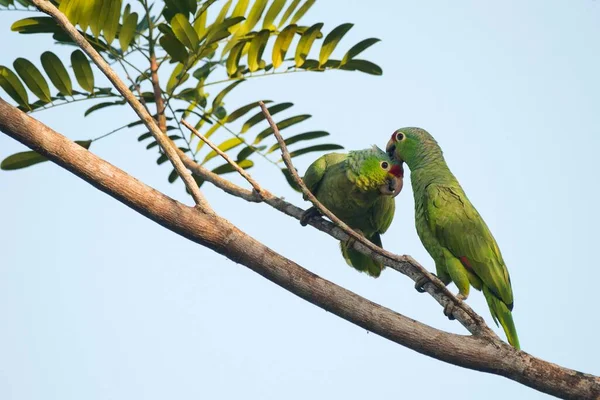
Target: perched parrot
451	229
359	188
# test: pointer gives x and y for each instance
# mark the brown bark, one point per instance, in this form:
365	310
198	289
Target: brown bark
209	230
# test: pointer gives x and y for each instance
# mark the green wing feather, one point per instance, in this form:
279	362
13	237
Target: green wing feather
382	213
460	229
315	172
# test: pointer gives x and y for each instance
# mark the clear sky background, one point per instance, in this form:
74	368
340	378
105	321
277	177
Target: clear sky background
98	302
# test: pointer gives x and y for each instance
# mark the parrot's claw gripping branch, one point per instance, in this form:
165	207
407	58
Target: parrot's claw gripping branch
309	214
419	283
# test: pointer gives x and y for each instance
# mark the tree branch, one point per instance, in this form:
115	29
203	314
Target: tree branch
216	233
162	139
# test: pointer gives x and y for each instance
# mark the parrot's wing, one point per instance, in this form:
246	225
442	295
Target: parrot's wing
382	213
315	172
459	228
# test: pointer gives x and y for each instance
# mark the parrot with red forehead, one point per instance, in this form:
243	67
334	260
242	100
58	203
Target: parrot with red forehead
451	229
359	188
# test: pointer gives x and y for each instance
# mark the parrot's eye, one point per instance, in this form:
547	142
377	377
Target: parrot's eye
399	136
385	165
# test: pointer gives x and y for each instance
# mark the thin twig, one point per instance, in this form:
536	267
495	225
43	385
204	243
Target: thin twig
231	162
433	281
162	139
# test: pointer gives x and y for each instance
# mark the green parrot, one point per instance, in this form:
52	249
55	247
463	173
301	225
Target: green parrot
451	229
359	188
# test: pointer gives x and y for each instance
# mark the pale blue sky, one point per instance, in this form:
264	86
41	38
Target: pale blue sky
98	302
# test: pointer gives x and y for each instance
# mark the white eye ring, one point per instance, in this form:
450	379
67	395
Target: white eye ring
385	165
400	136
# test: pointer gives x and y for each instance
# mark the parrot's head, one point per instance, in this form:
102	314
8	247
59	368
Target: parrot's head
374	169
409	145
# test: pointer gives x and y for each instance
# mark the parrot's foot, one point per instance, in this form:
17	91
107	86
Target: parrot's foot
421	282
308	214
449	308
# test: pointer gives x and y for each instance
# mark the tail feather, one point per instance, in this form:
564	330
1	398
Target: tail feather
501	313
361	261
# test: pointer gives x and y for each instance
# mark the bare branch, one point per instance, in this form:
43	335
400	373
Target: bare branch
462	312
158	99
162	139
231	162
216	233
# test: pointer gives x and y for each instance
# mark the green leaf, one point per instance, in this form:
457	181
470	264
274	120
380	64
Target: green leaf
272	13
11	84
5	3
35	25
359	48
185	32
200	22
281	125
258	117
227	168
83	71
331	41
224	147
173	176
71	10
144	136
362	66
128	31
57	73
290	180
319	147
302	10
306	42
99	10
257	47
288	12
22	160
298	138
233	60
204	71
33	79
112	12
126	12
223	13
177	78
282	44
220	112
100	106
253	16
174	48
28	158
182	6
248	151
240	112
219	98
222	30
86	13
162	159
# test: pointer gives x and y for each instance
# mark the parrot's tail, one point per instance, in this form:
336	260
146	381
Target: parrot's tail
502	314
363	262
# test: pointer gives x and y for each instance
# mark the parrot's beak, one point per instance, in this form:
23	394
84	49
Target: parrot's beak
393	187
390	148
